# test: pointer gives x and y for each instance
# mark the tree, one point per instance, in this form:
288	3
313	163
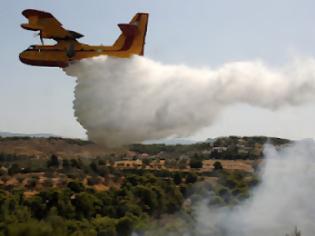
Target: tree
146	161
66	164
75	186
14	169
196	164
34	228
217	165
3	171
147	197
170	163
31	183
37	206
76	163
177	178
53	161
94	166
101	162
182	163
124	226
103	171
20	179
86	204
105	226
191	178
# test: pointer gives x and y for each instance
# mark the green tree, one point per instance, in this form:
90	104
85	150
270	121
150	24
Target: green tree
94	166
105	226
66	163
191	178
76	186
53	161
31	183
196	164
76	163
217	165
31	228
177	178
124	226
147	198
14	169
86	205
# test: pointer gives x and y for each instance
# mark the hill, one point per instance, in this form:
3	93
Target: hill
232	147
44	147
38	135
85	189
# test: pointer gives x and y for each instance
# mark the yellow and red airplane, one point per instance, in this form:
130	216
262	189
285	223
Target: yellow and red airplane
130	42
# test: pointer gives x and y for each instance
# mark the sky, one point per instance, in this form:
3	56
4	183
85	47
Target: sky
195	33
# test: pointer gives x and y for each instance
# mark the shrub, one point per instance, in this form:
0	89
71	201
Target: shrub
196	164
124	226
217	165
104	226
177	178
66	164
53	161
14	169
75	186
191	178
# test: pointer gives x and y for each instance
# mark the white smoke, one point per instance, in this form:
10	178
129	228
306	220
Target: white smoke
122	101
283	200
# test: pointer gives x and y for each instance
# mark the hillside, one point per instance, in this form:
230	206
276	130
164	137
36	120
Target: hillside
228	148
44	147
87	188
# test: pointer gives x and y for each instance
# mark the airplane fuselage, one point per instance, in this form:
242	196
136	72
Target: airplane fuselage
56	56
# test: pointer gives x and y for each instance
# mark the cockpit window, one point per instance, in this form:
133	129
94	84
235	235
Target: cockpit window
32	47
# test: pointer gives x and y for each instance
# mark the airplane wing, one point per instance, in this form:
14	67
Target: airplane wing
48	25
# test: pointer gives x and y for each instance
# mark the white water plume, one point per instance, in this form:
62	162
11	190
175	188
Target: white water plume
123	101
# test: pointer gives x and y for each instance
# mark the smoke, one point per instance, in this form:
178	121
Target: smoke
283	200
122	101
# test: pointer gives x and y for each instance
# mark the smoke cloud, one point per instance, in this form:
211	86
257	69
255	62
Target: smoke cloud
123	101
283	200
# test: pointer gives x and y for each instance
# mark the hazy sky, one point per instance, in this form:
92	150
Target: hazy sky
196	33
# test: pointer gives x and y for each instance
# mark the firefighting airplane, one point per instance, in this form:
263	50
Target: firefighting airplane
130	42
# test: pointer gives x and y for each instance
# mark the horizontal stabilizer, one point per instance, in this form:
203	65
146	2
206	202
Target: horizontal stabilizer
75	35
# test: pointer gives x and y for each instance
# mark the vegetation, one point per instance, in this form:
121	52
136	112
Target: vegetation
78	210
92	196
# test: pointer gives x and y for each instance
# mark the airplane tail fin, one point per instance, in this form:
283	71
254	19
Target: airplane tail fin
133	34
